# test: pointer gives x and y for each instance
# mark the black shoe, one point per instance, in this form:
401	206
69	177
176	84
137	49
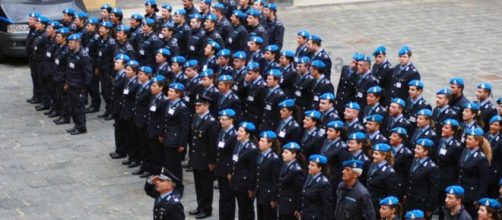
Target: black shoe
117	156
91	110
71	130
61	121
194	212
104	115
33	101
126	162
53	115
202	215
109	117
133	164
189	169
146	174
138	172
79	131
49	112
41	108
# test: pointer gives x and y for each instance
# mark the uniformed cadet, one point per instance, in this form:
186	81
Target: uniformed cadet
242	176
267	177
183	32
488	209
177	73
328	111
141	113
105	12
163	67
223	26
396	117
255	26
321	83
499	108
415	215
289	75
167	204
255	44
353	200
195	44
357	146
402	158
209	90
373	125
79	23
131	86
32	19
203	156
303	86
40	43
494	136
373	106
351	116
425	129
189	7
135	30
415	102
473	167
205	7
192	86
273	96
122	62
422	187
345	91
239	65
312	138
274	27
149	44
447	156
453	208
389	208
381	69
270	55
401	76
237	39
382	179
458	100
61	106
487	111
365	80
156	109
123	43
165	14
50	68
212	33
116	16
319	53
317	200
92	46
470	119
151	9
254	91
68	15
78	76
107	49
175	132
224	65
443	111
302	50
226	143
291	180
210	50
288	129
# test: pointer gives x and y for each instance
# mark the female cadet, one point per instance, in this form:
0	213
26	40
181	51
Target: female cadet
470	118
489	209
425	128
473	166
494	136
243	170
312	137
288	129
291	179
357	147
127	116
402	158
122	62
267	177
422	188
389	208
381	179
154	130
317	199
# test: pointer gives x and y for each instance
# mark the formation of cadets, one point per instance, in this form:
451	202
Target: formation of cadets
214	87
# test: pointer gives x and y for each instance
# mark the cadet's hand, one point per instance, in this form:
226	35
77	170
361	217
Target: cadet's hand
297	214
97	72
161	139
211	166
250	194
181	149
273	204
428	213
66	87
229	177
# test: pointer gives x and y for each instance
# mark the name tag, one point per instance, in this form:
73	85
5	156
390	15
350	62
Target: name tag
282	134
186	98
359	94
221	144
413	119
125	92
230	40
153	108
251	98
48	54
142	52
268	107
323	131
192	48
56	61
398	85
442	151
72	65
316	98
235	87
298	93
100	53
235	158
35	48
170	111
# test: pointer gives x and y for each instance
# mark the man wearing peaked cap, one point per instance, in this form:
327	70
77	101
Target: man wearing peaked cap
167	201
237	39
453	208
483	98
319	53
401	76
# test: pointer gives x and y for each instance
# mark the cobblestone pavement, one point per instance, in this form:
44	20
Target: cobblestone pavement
47	174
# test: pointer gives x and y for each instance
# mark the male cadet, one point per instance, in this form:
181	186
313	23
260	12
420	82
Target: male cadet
274	27
40	43
135	30
373	106
32	20
269	55
273	97
319	53
167	204
209	90
302	37
303	86
163	67
183	32
351	116
254	92
353	199
453	208
116	16
50	68
107	48
223	60
123	44
239	65
415	102
210	50
365	80
195	44
79	22
203	155
59	77
119	81
168	40
458	100
289	75
68	14
211	32
151	9
223	26
401	76
78	77
487	111
91	39
382	68
237	39
255	44
255	27
345	92
288	129
327	109
165	14
443	111
227	98
321	82
149	45
189	7
192	86
205	7
373	124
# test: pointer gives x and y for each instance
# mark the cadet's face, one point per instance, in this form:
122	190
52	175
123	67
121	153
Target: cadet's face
271	82
441	100
404	59
178	18
165	32
324	105
354	146
103	31
78	22
165	13
310	46
301	68
113	17
362	67
394	109
263	144
386	211
451	201
194	23
420	152
267	12
39	25
90	28
129	72
190	72
251	20
480	93
257	6
371	99
371	126
471	142
187	3
314	168
242	134
207	24
104	14
413	92
175	67
202	6
285	113
72	44
159	58
467	115
59	39
422	121
332	134
252	46
171	94
222	87
455	90
206	81
133	23
155	89
142	77
238	64
226	121
494	127
31	21
380	59
268	55
50	31
301	40
149	9
483	213
308	123
447	131
350	114
66	18
288	155
118	65
121	35
250	76
207	50
222	61
378	156
395	139
500	109
283	61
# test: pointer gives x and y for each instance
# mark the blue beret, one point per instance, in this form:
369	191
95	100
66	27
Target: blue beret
214	44
207	73
268	134
180	12
404	50
69	11
303	60
211	17
485	85
271	6
357	136
239	14
318	64
357	56
122	28
353	164
272	48
149	22
219	6
178	59
444	91
426	142
133	63
313	114
477	131
195	16
137	16
383	147
225	78
452	122
34	14
117	11
106	6
455	190
92	21
159	78
389	201
124	57
253	12
63	30
425	111
320	159
304	33
150	2
75	37
380	50
315	38
206	1
224	53
256	39
417	83
146	69
248	126
399	102
253	66
375	118
499	100
492	203
291	145
177	86
240	55
399	130
81	15
457	81
227	112
375	89
106	24
288	103
328	96
54	24
167	6
164	51
366	58
288	53
353	105
43	19
336	124
414	214
275	73
191	64
496	118
472	105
